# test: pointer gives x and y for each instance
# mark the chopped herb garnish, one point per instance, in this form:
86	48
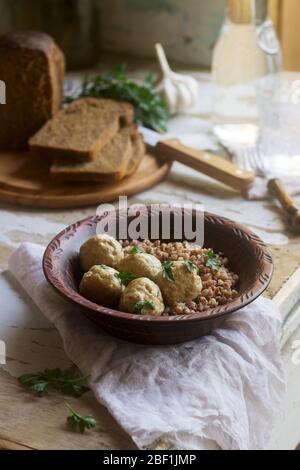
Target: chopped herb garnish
67	381
150	109
190	266
79	422
125	278
211	261
136	249
142	304
167	271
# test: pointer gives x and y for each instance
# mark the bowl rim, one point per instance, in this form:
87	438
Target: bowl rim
253	292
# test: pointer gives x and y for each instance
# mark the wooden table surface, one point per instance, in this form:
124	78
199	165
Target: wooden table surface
28	422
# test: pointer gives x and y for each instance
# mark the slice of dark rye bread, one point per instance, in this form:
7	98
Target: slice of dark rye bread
32	67
112	163
138	153
82	129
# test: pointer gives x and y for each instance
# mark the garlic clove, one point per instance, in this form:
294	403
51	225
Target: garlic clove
184	97
170	94
190	83
181	92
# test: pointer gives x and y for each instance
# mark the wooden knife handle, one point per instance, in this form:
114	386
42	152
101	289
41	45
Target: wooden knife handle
288	204
207	163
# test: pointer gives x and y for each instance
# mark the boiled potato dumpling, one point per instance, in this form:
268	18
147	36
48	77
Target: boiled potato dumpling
142	296
141	264
179	282
102	286
100	249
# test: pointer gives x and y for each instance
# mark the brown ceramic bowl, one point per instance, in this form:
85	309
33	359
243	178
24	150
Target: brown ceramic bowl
247	254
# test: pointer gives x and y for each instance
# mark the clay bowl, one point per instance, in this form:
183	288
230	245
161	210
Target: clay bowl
247	254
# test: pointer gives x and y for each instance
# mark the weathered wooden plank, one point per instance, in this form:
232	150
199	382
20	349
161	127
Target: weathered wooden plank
9	445
40	423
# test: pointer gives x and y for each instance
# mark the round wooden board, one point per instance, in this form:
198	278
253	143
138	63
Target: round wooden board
25	180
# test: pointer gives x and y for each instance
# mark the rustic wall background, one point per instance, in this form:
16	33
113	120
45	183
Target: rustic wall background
187	28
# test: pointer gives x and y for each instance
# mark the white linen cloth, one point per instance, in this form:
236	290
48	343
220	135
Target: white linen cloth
220	391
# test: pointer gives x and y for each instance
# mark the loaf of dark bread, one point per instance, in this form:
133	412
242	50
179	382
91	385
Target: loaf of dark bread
32	68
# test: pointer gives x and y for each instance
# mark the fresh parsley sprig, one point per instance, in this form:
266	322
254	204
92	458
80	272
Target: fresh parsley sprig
150	109
136	249
67	381
212	261
125	277
78	422
167	271
190	266
143	304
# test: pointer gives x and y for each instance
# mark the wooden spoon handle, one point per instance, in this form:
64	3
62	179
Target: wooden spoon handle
287	202
207	163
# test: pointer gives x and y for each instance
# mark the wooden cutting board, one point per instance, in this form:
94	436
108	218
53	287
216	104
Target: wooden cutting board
25	180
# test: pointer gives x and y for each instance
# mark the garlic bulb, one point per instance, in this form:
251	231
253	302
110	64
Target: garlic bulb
181	92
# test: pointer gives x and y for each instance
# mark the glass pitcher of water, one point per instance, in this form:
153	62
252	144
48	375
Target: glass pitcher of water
247	50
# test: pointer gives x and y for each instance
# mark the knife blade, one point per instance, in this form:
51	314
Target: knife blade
171	149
